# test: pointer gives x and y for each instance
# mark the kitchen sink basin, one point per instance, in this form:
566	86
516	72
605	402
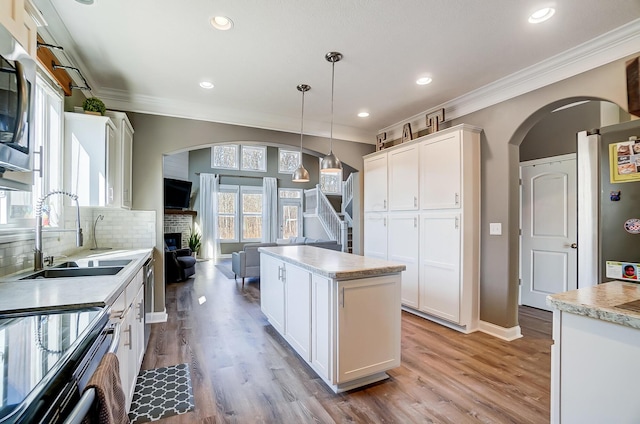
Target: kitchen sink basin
71	271
93	263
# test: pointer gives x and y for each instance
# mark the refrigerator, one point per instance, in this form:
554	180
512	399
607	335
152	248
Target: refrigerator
608	162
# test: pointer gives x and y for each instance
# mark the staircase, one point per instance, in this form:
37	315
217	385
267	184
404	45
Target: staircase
337	225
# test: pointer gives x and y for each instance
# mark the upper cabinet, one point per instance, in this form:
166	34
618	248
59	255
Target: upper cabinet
440	175
404	178
375	183
124	132
98	158
15	17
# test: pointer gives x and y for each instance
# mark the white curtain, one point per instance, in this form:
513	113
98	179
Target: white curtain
209	216
269	209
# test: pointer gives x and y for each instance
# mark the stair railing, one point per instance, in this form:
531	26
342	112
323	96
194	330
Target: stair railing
335	227
347	197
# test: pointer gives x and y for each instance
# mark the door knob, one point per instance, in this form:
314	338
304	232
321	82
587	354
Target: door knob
574	245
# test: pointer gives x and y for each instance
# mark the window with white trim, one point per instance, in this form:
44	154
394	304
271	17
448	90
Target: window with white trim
251	200
288	161
331	182
239	213
17	208
224	156
254	158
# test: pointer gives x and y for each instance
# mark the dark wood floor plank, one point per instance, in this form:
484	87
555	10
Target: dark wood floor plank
243	371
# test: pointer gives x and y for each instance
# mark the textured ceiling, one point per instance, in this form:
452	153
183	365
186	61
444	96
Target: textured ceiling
150	55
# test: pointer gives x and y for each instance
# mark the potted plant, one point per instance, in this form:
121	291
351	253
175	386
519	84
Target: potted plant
195	241
94	106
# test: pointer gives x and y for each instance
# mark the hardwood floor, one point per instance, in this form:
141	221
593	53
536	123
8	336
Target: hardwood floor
243	371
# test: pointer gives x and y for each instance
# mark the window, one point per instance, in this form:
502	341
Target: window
254	158
227	211
288	161
331	182
17	208
239	214
251	213
224	156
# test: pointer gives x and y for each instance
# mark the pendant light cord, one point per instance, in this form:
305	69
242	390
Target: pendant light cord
301	124
333	75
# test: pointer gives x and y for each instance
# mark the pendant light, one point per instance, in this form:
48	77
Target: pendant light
331	163
301	175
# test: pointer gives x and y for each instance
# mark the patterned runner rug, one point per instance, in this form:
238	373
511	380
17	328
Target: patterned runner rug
161	393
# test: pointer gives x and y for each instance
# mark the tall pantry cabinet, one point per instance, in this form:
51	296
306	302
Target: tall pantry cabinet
430	223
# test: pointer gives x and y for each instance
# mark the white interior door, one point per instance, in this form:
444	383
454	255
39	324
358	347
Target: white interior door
548	247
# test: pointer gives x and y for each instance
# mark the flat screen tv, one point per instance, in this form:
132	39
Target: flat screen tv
177	194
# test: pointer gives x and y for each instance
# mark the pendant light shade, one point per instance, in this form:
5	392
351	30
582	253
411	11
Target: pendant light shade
301	175
331	163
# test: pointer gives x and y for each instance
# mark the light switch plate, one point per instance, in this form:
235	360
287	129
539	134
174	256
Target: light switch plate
495	229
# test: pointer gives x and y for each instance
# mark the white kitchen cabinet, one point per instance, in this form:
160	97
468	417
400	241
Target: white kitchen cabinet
15	17
96	161
322	321
440	289
368	327
375	183
124	132
442	254
272	294
352	325
404	247
403	164
440	172
128	311
375	235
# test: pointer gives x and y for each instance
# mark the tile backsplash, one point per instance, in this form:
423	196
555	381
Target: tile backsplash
119	229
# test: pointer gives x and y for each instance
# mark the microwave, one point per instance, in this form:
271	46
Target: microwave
17	94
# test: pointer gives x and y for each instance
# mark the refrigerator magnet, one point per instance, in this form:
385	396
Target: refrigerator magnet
614	196
632	226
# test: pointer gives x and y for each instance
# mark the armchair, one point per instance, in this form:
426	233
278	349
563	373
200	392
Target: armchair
178	264
246	263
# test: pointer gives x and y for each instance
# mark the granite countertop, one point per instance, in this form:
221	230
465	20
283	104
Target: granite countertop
56	293
331	263
615	301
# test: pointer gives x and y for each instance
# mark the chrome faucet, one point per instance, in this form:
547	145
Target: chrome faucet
37	253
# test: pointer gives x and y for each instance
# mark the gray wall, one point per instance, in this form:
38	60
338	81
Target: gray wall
555	134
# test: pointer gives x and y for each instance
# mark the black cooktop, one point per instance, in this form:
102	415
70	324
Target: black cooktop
38	353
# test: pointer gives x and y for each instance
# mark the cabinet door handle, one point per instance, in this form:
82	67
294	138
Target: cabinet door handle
457	199
415	222
457	224
343	298
384	204
384	221
415	202
279	273
284	274
141	311
128	342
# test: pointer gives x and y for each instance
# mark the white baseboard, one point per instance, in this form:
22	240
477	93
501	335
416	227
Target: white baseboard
503	333
156	317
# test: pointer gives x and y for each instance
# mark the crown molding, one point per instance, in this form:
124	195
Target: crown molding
613	45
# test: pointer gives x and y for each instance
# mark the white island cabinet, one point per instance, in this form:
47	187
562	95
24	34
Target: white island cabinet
594	357
339	312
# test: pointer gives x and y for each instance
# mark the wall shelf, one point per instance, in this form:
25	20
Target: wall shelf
180	212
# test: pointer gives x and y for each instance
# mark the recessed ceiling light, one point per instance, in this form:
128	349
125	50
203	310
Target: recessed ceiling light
363	114
423	81
222	23
541	15
206	84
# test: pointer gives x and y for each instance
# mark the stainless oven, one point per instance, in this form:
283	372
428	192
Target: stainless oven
46	360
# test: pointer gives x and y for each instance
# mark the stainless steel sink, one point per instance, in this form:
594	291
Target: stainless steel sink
84	263
71	271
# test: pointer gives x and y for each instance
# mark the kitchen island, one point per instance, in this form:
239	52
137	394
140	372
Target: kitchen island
340	312
594	358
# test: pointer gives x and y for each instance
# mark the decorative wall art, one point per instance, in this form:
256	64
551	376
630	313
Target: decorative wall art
380	140
434	119
633	85
406	133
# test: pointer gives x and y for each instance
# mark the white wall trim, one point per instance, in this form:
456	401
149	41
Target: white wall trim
156	317
550	159
508	334
616	44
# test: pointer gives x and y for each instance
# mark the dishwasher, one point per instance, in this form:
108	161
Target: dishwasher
148	297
